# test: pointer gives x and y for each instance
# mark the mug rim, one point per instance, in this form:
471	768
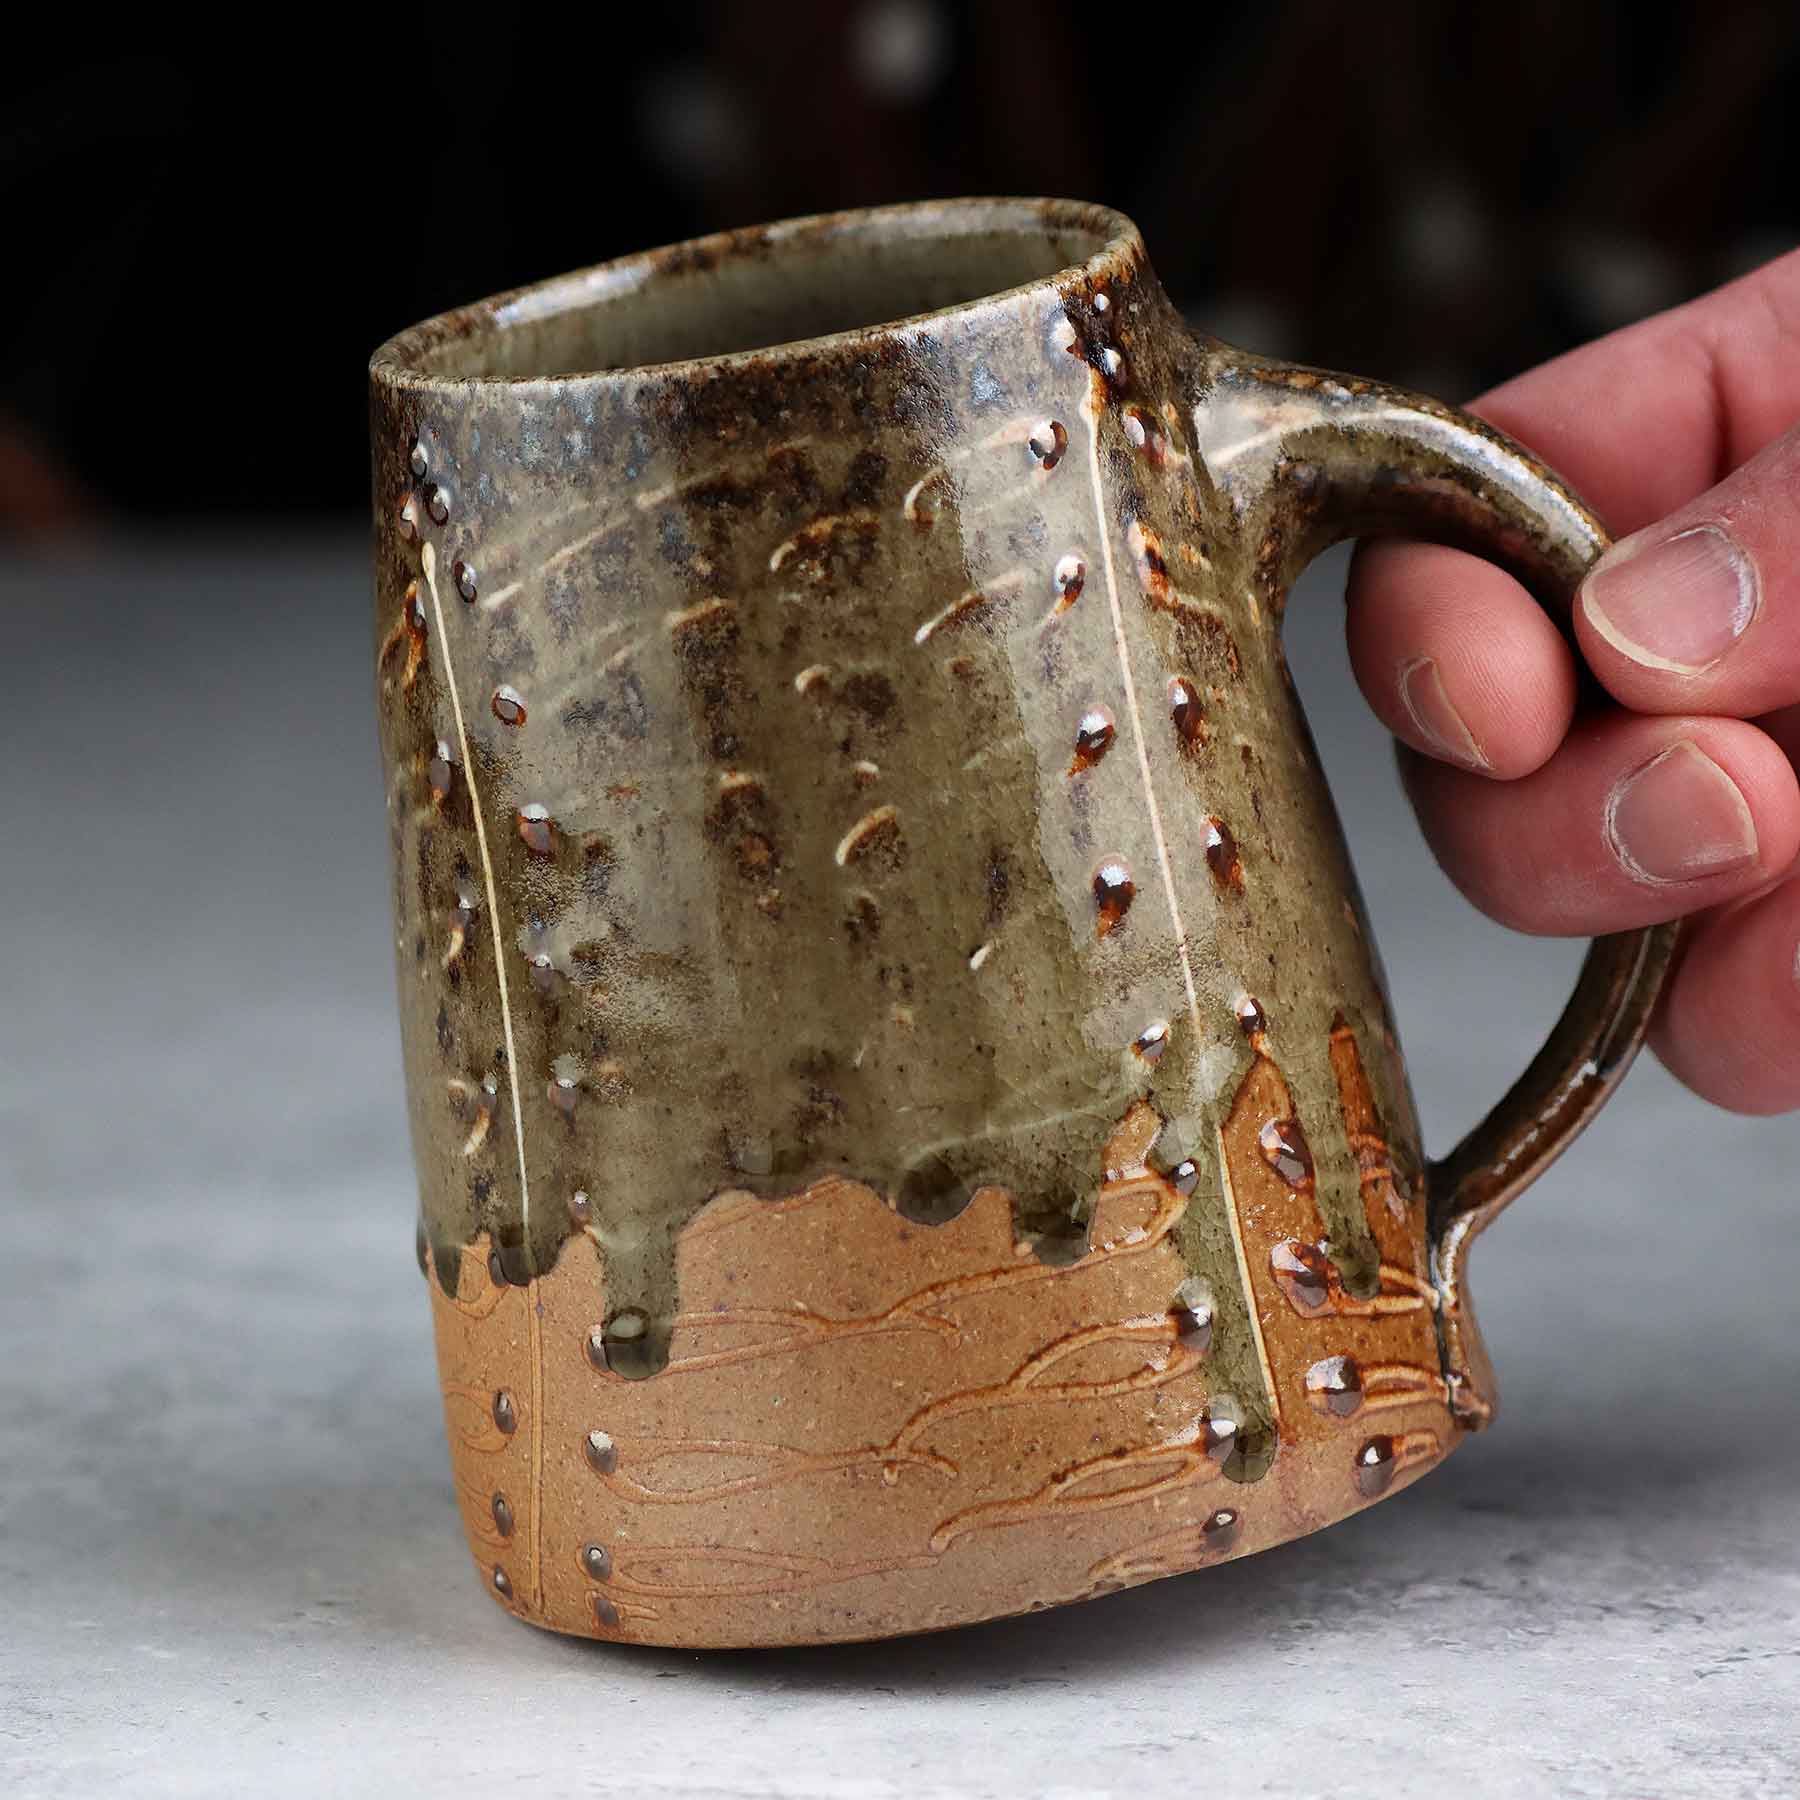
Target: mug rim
405	360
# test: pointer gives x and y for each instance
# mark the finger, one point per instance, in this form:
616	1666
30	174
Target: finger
1729	1025
1457	659
1641	421
1634	820
1700	612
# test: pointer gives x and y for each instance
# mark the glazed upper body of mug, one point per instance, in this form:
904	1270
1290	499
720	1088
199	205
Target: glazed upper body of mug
883	751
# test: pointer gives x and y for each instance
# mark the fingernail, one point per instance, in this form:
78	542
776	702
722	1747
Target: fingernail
1677	604
1679	817
1437	721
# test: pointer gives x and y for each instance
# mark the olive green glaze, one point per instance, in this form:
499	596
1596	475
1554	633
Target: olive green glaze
873	754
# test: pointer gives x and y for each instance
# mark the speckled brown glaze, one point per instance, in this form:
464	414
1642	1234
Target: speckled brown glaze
908	1123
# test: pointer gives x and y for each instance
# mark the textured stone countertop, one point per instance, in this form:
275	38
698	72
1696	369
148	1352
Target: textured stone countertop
230	1559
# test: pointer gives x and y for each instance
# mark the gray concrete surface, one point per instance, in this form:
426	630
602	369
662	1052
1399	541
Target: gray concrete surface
229	1559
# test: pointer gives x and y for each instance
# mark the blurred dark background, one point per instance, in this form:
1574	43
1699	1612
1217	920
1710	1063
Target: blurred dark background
206	241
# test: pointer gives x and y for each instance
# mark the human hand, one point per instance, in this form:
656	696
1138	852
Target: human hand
1674	794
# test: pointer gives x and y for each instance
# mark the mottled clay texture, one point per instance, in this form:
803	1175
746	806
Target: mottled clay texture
893	1042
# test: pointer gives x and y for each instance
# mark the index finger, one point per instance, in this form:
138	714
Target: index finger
1642	420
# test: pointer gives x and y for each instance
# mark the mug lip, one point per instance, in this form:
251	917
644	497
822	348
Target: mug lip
404	360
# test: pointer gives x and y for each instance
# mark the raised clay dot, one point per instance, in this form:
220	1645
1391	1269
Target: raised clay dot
1069	577
437	503
503	1515
597	1562
1185	1176
1186	712
1145	436
1192	1315
1094	733
601	1452
1303	1273
1114	891
506	1414
1152	1041
581	1210
1221	1532
1334	1385
1222	856
1112	366
439	772
422	1249
606	1615
1375	1467
509	705
409	518
416	460
464	576
1287	1152
1048	440
537	830
502	1583
1252	1020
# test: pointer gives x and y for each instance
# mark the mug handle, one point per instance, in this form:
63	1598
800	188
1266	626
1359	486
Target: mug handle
1308	459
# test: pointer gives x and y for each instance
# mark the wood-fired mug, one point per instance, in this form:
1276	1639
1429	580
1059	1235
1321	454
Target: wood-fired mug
907	1119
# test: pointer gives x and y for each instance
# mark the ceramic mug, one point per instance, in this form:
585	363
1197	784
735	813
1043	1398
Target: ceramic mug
908	1124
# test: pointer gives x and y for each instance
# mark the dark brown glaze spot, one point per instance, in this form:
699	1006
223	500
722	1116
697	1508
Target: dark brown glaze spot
581	1210
537	830
601	1452
464	575
409	518
1252	1021
496	1269
1335	1385
1113	366
1185	1176
1221	1531
1152	1041
1187	714
1068	578
606	1615
1222	857
1287	1152
1114	891
1049	439
564	1093
503	1515
1303	1273
1375	1467
506	1415
437	503
596	1562
625	1344
509	705
416	459
502	1583
1093	738
1192	1316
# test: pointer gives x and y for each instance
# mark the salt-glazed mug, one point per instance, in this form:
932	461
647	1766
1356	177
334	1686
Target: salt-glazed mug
907	1118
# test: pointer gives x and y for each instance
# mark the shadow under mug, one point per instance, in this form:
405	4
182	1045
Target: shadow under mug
908	1123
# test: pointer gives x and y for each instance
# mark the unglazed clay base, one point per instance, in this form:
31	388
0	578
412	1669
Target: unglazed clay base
1027	1434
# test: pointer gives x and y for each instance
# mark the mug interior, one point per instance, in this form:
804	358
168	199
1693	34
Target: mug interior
747	291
